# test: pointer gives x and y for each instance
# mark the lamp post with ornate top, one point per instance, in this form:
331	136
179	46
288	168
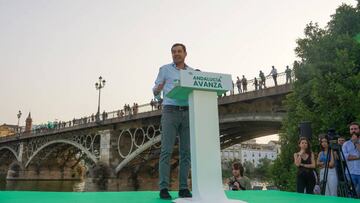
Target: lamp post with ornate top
99	86
18	116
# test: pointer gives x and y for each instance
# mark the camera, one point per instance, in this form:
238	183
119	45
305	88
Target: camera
233	187
332	134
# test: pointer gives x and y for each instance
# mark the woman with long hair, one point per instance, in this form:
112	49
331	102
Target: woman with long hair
326	157
304	159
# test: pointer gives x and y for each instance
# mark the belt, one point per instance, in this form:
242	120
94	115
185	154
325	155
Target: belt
178	108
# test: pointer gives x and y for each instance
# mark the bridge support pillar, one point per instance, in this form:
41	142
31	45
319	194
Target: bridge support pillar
105	136
21	152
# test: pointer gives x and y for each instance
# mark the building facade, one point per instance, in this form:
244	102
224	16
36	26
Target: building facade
251	151
6	130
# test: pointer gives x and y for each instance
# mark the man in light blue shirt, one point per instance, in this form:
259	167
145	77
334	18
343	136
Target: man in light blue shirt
174	122
351	150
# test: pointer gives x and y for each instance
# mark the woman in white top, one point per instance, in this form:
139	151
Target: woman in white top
323	158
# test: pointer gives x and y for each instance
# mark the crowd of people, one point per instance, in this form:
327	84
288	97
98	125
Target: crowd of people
155	105
333	171
126	111
339	166
260	82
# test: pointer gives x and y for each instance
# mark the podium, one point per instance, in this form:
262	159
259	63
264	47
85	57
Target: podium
202	90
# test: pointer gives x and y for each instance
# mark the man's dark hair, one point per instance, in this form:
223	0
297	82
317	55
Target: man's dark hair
179	44
354	123
238	166
341	136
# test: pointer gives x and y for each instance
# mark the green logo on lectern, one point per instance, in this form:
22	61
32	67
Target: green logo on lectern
200	81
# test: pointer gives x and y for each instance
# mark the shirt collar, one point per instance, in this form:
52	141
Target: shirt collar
174	65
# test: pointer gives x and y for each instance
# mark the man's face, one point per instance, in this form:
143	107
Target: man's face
354	129
178	54
235	172
341	140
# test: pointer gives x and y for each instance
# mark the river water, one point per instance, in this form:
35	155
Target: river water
43	185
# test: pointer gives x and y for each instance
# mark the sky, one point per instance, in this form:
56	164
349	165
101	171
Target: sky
52	52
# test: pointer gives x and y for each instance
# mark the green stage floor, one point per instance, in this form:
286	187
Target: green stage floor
150	197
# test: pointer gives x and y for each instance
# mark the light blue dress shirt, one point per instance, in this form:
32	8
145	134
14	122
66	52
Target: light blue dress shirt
169	73
349	148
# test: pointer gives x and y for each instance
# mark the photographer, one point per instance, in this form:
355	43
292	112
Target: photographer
238	181
351	150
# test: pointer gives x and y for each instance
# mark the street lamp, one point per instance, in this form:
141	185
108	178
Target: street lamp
18	116
99	86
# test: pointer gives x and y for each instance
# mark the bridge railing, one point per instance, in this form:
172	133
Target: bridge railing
269	82
136	109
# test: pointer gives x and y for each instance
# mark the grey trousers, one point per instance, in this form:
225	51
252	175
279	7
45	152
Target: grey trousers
174	123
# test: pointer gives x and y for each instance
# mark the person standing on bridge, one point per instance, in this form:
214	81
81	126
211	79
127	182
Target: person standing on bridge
238	84
262	80
288	74
273	73
256	84
174	121
244	83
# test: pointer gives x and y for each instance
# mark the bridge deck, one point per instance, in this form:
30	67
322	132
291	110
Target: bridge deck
149	197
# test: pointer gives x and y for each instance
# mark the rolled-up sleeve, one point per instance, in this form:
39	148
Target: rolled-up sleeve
159	79
346	150
349	149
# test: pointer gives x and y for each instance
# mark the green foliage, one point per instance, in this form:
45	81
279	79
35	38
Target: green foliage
262	170
249	169
326	91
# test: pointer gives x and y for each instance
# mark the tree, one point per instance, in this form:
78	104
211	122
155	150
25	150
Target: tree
249	169
262	170
326	91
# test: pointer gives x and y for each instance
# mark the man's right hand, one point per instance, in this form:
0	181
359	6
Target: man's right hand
352	157
236	184
159	88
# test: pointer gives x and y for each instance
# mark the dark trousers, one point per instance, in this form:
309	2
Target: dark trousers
305	181
174	123
275	81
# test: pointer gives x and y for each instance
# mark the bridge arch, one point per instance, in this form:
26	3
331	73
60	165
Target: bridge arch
138	151
75	144
11	150
231	129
